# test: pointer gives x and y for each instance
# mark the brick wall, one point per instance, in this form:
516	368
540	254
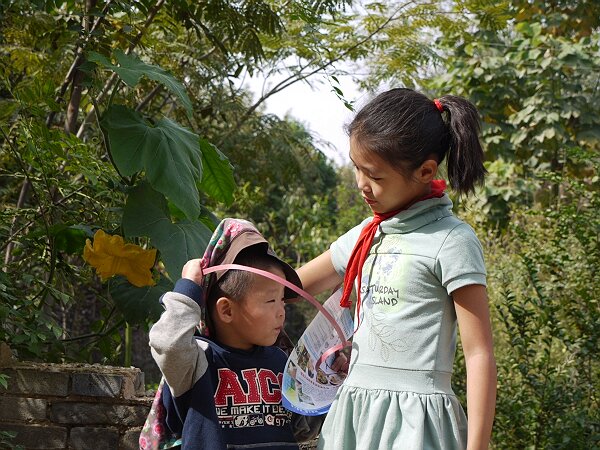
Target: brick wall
73	406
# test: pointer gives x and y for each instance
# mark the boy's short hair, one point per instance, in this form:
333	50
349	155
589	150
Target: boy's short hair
234	284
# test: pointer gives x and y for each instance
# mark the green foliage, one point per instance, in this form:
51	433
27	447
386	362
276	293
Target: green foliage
543	288
164	151
25	326
146	214
217	175
6	441
535	87
123	78
131	69
3	380
138	304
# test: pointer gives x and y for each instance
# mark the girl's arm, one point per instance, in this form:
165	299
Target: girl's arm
476	336
319	275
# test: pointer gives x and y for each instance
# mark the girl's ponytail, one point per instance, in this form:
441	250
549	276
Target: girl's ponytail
465	154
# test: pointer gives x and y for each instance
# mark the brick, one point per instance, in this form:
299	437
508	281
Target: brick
36	382
133	385
19	409
34	437
130	440
78	413
96	384
86	438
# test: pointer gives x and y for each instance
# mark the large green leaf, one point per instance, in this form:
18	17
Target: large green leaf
138	304
131	69
70	239
169	154
217	177
146	214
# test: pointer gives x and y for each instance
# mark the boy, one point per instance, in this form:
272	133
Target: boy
224	390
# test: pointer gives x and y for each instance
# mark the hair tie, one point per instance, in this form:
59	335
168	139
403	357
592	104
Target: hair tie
438	105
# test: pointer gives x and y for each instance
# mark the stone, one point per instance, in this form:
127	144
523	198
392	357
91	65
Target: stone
96	384
20	409
86	438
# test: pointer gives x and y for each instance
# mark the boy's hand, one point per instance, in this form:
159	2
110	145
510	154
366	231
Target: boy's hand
192	270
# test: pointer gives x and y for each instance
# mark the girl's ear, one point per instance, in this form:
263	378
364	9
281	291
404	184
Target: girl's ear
224	309
427	171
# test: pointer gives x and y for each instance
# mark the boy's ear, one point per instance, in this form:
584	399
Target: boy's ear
427	171
224	309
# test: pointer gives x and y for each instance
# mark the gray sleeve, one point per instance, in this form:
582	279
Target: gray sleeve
460	260
179	355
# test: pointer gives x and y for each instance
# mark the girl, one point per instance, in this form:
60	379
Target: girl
419	270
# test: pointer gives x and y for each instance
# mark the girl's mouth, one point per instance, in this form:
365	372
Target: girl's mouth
369	201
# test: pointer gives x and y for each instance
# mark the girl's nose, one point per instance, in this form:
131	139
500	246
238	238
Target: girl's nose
362	183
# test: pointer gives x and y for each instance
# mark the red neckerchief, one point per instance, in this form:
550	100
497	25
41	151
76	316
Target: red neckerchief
363	245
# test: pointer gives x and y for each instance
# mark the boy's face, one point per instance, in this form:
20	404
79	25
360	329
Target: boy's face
258	318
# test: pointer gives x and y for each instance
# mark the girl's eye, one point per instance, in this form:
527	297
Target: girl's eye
375	178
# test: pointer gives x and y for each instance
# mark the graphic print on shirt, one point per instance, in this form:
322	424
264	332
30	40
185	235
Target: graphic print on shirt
381	295
254	401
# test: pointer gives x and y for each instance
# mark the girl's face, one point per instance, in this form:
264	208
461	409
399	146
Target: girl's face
383	188
259	316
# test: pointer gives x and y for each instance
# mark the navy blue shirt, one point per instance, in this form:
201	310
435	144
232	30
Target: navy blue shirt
236	401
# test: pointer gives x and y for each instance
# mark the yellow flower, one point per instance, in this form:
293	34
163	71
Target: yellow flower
111	256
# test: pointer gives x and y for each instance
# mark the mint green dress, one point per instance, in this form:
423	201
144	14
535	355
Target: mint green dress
398	392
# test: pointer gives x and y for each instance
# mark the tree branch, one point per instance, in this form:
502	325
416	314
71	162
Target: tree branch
298	76
148	98
76	92
78	60
110	82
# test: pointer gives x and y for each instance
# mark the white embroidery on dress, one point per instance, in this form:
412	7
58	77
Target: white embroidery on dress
385	335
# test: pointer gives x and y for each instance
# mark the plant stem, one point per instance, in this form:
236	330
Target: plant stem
128	344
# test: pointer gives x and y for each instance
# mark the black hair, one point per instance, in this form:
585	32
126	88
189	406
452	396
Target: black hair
235	284
404	128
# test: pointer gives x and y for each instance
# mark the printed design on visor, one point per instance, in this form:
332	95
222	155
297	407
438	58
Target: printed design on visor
227	230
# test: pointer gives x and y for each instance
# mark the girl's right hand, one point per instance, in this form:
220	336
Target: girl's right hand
192	270
340	363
